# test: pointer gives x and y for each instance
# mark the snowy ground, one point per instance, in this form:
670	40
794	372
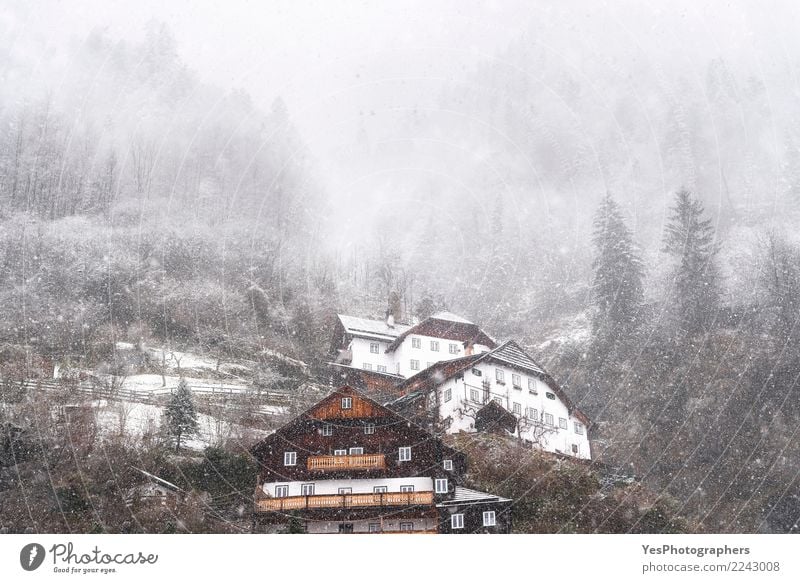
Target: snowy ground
133	421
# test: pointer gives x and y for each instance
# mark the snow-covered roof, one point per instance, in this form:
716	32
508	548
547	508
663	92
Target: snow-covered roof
467	495
451	317
371	328
158	480
511	353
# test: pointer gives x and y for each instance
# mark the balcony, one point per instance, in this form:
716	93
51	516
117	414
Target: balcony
372	461
344	501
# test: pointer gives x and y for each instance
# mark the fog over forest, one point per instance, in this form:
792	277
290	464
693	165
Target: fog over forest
225	178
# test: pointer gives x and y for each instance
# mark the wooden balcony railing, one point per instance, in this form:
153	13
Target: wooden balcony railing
347	462
344	501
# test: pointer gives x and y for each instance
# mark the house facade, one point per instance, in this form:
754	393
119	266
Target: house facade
470	393
351	465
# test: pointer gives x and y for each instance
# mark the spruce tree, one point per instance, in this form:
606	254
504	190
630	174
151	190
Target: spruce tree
618	271
691	240
180	414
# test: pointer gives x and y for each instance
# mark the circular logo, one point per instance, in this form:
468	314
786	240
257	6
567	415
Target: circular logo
31	556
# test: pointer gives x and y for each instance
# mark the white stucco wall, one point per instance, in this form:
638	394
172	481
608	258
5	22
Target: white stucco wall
325	487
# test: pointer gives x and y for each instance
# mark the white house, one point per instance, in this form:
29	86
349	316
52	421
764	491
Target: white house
457	394
386	347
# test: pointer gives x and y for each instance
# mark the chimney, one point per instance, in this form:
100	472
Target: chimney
390	320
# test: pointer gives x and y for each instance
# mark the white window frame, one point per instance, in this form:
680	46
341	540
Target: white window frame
518	409
532	387
327	429
414	364
374	348
474	396
369	429
448	465
290	458
440	485
374	527
533	414
448	394
282	491
345	490
434	346
416	342
489	518
562	423
347	402
407	488
516	381
366	366
304	489
356	451
457	521
381	368
578	428
500	375
406	526
339	452
454	348
549	419
380	489
404	454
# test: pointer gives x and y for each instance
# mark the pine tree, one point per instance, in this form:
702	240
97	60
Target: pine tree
691	240
618	271
180	414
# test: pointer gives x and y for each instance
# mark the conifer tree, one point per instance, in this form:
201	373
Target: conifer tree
180	414
618	271
691	240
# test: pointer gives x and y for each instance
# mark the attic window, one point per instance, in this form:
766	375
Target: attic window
369	429
448	465
347	402
477	372
550	396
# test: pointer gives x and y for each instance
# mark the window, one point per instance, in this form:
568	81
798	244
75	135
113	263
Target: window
345	490
575	449
474	395
374	348
327	430
346	528
281	491
457	521
406	526
381	368
416	343
448	465
477	372
548	418
579	428
489	518
406	488
339	452
435	345
290	458
404	454
499	375
448	394
516	381
533	414
356	451
550	396
562	423
307	490
366	366
454	348
440	486
347	402
379	489
374	527
369	429
414	364
498	400
517	409
532	387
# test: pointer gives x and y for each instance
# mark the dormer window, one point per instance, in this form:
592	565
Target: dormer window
347	402
404	454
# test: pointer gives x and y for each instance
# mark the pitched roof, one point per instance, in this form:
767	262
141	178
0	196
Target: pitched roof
366	327
509	353
468	495
449	326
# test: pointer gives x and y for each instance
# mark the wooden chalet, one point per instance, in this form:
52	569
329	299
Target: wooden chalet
351	465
